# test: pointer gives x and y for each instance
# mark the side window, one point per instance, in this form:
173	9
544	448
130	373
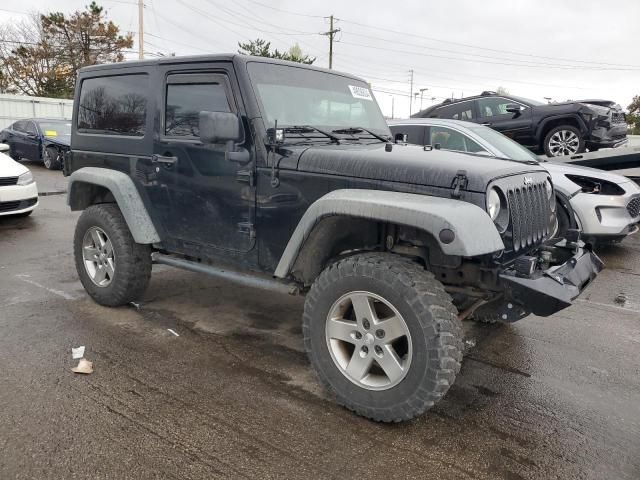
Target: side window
114	105
19	126
187	95
450	139
30	127
492	106
415	133
458	111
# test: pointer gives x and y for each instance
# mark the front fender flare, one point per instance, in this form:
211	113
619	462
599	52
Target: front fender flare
475	233
125	194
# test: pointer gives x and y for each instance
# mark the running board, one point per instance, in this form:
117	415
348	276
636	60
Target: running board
253	281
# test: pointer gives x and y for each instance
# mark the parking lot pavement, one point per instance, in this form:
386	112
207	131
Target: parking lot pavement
233	396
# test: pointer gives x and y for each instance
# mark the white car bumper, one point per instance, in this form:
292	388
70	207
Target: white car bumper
612	216
18	199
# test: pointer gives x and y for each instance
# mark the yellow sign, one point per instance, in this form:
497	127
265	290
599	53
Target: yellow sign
50	133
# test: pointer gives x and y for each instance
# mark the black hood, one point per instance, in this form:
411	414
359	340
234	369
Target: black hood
62	141
409	164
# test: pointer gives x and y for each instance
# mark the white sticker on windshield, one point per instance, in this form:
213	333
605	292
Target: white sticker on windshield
361	92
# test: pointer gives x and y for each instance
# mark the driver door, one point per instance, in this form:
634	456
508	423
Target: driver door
207	202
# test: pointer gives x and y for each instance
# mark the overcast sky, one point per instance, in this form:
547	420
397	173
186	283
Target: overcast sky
563	49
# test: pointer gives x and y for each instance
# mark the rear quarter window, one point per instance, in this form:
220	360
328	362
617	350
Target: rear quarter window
113	105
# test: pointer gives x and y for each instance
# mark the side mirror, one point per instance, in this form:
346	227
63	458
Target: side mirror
4	147
513	108
401	138
218	127
223	127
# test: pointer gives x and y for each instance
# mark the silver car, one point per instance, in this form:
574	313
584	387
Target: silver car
604	206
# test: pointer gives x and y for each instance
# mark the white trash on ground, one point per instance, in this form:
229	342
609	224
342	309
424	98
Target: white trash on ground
77	352
84	366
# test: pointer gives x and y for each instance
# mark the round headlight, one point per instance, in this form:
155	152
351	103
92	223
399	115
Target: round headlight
493	204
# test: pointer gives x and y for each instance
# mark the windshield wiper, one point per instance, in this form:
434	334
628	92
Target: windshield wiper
354	130
309	129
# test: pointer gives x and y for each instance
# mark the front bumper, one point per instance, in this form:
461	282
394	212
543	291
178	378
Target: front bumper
608	137
548	291
18	199
606	215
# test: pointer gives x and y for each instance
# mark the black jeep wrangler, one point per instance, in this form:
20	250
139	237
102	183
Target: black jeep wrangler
555	129
283	176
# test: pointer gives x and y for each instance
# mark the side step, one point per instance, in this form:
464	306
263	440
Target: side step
253	281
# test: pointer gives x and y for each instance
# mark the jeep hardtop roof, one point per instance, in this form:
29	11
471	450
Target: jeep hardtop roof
233	57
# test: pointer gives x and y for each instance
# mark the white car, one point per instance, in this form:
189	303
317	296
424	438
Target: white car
18	190
604	206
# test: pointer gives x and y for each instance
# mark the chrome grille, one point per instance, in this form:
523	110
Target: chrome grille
633	207
529	209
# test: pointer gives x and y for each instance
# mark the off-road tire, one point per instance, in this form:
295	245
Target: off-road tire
569	128
431	318
50	158
133	260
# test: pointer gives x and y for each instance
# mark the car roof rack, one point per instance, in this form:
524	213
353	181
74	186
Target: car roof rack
488	92
447	100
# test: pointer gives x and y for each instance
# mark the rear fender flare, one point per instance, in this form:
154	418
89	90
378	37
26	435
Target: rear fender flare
125	194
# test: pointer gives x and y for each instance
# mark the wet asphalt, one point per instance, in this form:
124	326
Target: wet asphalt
233	397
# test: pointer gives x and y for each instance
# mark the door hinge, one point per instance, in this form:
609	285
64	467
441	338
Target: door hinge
246	176
247	228
460	182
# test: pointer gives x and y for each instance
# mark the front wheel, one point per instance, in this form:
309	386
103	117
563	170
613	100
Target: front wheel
112	267
51	158
563	140
382	335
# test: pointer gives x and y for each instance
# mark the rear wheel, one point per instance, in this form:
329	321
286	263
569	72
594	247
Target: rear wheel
382	335
563	140
112	267
50	157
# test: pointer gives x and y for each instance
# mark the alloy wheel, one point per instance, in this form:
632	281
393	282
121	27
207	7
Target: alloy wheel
369	341
98	256
564	142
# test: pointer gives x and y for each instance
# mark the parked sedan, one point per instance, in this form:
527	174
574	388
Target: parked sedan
605	206
38	139
18	190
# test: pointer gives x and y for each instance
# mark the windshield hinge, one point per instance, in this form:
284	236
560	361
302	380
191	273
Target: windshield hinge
246	176
247	228
460	182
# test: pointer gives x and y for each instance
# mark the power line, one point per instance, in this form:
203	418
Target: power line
286	11
476	55
466	45
468	59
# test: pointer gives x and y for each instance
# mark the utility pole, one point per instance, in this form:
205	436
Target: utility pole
140	30
393	98
411	92
332	31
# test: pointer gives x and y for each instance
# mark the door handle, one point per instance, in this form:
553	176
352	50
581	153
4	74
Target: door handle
163	159
486	124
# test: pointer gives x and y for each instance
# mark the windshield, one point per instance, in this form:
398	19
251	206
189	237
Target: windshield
297	96
55	129
512	150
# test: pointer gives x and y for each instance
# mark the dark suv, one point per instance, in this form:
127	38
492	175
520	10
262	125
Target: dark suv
555	128
282	176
